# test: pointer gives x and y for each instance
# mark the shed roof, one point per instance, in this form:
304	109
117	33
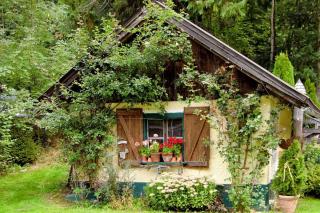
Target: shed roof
214	45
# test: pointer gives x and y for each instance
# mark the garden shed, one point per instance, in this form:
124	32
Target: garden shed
180	120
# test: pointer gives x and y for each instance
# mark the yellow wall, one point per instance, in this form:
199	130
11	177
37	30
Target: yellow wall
217	169
284	130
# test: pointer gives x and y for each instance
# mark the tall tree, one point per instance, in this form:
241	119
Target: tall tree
284	69
40	42
273	33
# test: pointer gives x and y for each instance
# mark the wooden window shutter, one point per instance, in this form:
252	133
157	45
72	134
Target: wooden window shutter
130	128
196	134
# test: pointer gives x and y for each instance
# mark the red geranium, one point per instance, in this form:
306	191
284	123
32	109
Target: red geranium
174	140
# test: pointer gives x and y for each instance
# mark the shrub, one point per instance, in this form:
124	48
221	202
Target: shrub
284	69
312	91
117	191
24	150
179	193
312	158
291	175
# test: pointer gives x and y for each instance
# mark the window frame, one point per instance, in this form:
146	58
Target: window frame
163	117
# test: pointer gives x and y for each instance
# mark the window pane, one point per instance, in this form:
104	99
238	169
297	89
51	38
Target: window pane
175	128
155	127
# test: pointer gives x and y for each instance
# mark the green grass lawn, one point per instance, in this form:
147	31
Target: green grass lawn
39	190
308	205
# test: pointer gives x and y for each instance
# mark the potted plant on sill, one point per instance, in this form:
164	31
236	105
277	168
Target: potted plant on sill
145	153
177	152
167	151
290	178
177	148
154	151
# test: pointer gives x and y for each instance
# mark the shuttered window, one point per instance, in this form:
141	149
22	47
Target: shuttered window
196	137
134	126
130	129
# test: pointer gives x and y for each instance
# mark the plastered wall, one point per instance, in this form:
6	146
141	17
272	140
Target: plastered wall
217	169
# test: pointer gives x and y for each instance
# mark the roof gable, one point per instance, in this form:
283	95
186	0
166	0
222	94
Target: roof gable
214	45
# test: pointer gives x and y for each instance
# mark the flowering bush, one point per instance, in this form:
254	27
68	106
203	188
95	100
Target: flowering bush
179	193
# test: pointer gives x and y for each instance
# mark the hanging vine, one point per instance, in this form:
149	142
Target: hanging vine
245	140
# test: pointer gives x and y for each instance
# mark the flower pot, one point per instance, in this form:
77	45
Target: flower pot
167	157
144	159
284	144
287	204
155	157
174	159
179	158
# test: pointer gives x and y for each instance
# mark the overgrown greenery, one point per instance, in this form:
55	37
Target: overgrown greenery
15	109
39	42
284	69
131	73
312	162
245	138
245	142
291	174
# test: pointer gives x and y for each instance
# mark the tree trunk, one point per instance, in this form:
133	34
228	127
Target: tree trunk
70	177
318	64
273	33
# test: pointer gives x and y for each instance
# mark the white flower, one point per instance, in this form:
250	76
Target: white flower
159	187
211	191
155	135
145	143
151	195
163	191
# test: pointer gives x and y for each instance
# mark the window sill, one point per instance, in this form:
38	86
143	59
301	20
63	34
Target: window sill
185	163
164	163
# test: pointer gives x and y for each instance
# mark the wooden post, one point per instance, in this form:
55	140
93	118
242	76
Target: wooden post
298	124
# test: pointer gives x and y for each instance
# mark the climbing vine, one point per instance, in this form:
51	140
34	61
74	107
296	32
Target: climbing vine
245	140
112	72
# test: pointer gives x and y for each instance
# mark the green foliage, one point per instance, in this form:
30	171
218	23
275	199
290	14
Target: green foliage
312	160
241	142
15	109
177	149
291	175
242	24
39	42
299	37
24	150
154	147
145	151
312	92
167	150
113	72
180	193
284	69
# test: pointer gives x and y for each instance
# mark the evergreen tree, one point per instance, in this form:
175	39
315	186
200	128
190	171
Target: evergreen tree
312	92
291	175
284	69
